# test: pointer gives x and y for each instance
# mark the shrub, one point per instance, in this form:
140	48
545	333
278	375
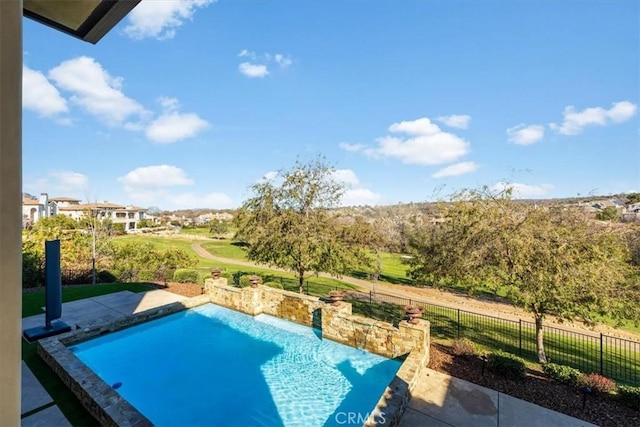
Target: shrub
463	347
227	275
629	396
506	364
597	382
275	285
187	275
106	276
562	373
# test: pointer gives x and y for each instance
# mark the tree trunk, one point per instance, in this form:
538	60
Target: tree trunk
301	281
93	270
542	357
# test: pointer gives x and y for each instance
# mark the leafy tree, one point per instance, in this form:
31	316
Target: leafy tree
549	260
218	227
133	257
74	245
607	214
101	232
288	223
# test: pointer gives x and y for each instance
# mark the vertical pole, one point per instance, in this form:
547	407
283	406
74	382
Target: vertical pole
520	337
10	209
458	323
601	354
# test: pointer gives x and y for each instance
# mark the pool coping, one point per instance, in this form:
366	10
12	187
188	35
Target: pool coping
111	409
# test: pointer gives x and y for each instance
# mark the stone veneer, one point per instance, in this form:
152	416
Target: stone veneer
337	323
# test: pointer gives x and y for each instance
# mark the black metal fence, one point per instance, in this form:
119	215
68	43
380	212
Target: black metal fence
614	357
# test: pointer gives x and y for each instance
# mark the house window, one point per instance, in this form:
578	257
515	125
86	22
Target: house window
132	226
132	215
121	215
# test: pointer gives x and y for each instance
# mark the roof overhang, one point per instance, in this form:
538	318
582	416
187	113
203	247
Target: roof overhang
88	20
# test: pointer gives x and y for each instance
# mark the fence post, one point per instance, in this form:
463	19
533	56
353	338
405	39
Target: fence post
520	337
458	323
601	358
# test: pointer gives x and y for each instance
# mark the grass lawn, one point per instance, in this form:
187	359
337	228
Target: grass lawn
62	396
196	231
226	249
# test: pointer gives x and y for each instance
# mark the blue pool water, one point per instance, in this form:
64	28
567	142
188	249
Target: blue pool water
211	366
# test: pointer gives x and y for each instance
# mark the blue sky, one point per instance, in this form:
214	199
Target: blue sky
185	104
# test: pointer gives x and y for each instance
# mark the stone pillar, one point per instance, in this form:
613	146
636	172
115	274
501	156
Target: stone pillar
10	209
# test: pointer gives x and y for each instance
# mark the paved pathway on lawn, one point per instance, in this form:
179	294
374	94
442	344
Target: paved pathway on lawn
443	401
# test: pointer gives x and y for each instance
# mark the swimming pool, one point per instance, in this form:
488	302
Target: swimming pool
213	366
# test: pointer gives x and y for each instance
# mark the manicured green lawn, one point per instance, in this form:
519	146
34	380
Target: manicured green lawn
196	231
226	249
62	396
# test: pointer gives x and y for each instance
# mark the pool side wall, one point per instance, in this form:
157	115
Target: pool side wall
338	323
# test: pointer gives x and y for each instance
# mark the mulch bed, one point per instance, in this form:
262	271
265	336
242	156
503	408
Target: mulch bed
537	388
186	289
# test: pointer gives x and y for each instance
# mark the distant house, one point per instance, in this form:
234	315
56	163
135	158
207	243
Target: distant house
33	210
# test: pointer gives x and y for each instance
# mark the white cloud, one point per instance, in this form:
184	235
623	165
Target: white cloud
94	89
428	146
258	67
160	19
457	121
360	196
282	61
345	176
211	200
270	175
168	103
39	95
525	134
244	53
455	170
524	191
70	179
354	193
352	147
61	182
253	70
153	185
173	126
422	126
575	121
157	176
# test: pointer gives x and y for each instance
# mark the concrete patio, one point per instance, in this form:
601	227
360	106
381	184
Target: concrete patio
106	308
444	401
